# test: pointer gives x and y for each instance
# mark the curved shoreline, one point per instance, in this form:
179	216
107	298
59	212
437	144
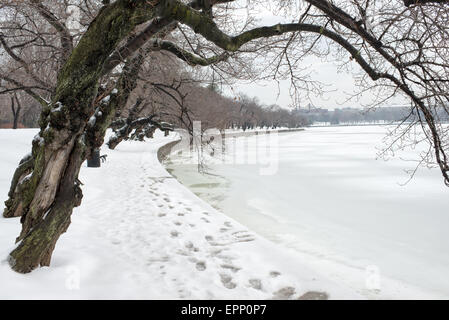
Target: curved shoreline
389	285
164	151
329	290
141	234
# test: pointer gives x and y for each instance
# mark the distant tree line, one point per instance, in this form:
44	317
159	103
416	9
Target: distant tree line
178	102
358	116
18	110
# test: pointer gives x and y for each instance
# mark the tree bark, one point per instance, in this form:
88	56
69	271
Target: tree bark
45	187
38	244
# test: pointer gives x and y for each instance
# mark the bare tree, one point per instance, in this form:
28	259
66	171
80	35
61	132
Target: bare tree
402	51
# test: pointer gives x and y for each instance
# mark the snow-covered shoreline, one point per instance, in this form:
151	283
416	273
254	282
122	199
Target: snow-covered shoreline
342	211
140	234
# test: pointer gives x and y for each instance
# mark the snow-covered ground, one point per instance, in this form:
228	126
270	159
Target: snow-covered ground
140	234
343	212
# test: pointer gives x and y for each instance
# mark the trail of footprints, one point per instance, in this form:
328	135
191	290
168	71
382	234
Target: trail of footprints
218	245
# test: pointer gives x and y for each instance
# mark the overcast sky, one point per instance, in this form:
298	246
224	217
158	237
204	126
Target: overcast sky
340	83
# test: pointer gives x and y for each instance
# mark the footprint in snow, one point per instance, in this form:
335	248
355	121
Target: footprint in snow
243	235
183	253
216	252
274	274
314	295
231	267
226	280
224	240
201	266
255	284
189	245
284	293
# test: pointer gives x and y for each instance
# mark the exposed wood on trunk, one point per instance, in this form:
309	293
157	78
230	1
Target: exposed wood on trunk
46	190
49	196
37	247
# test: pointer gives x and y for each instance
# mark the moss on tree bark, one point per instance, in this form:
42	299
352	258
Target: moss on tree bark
46	200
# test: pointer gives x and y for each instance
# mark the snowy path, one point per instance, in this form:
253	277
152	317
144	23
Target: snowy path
140	234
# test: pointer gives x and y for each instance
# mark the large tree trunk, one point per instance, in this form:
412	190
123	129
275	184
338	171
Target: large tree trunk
39	242
45	187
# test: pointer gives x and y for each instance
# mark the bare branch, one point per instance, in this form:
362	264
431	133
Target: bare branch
190	58
66	38
27	89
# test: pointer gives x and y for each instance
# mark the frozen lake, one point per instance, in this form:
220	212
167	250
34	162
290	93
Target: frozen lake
348	214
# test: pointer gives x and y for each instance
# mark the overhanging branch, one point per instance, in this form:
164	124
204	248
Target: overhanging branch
203	24
135	43
190	58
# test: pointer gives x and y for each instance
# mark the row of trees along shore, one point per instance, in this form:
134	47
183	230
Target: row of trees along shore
95	64
178	100
383	115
